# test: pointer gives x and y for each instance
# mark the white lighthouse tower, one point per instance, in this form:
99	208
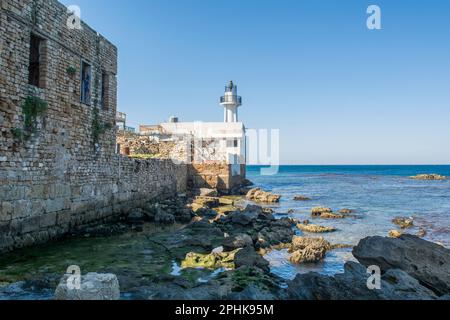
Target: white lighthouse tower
231	102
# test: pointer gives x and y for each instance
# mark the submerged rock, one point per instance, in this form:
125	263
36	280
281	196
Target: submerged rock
93	286
432	176
403	222
313	228
425	261
259	195
301	198
325	213
422	233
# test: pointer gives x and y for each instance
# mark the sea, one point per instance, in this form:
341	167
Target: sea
377	194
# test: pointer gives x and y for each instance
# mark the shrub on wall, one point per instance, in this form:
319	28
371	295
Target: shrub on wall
32	108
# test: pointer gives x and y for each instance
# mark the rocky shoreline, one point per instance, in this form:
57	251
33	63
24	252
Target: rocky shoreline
216	245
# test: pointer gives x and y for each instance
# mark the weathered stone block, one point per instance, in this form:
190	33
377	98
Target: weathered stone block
31	224
48	220
21	209
93	286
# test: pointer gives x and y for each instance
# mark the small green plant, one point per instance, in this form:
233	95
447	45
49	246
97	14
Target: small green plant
18	134
32	108
98	128
71	70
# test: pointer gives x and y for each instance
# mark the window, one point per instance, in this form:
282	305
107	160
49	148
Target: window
105	87
86	83
35	63
232	143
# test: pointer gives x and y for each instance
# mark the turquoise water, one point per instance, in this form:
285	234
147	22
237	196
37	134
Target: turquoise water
377	193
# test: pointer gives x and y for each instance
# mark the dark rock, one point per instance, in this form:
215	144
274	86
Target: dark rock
246	183
198	241
253	208
163	217
352	285
244	218
301	198
250	258
135	217
184	215
425	261
253	293
237	241
400	285
206	212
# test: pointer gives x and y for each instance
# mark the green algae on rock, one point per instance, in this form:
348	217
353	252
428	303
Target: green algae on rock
210	261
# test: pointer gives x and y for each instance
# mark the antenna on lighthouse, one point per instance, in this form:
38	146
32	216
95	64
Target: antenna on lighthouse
231	101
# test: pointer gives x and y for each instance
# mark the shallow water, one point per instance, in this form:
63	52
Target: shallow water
377	193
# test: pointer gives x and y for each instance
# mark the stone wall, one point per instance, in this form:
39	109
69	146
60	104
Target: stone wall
64	174
202	172
216	175
134	144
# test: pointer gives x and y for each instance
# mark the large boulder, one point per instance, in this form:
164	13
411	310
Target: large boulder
352	285
425	261
93	286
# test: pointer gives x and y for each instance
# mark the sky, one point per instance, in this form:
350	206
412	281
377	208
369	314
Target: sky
338	92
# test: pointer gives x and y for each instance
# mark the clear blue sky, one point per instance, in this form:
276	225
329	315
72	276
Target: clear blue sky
339	93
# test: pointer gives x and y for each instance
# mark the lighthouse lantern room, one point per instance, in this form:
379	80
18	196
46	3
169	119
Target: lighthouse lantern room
231	102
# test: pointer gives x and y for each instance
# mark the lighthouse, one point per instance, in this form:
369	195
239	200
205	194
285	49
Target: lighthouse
231	102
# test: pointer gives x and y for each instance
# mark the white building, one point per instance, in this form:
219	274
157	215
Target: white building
214	142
